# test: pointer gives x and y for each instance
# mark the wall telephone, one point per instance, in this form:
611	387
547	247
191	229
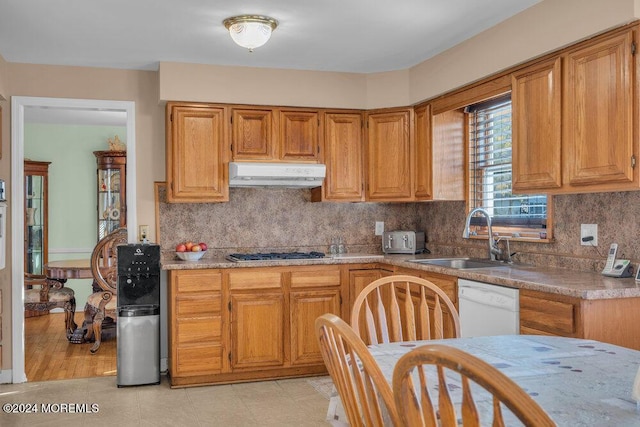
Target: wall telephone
616	267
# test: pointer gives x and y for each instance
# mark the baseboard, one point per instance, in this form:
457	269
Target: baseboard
6	376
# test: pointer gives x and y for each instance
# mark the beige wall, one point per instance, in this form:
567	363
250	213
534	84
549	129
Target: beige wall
262	86
140	87
546	26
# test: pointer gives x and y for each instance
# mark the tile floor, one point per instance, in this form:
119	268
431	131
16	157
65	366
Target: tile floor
290	402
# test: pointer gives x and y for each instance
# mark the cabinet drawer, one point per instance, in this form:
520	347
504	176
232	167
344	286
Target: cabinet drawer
196	281
254	279
198	360
557	317
198	330
308	279
198	305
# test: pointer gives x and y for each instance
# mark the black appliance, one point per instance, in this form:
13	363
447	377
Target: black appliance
138	323
271	256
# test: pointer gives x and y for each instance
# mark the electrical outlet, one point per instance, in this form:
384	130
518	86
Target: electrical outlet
379	228
589	234
143	232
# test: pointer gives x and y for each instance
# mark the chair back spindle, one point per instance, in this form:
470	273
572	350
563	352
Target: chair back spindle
416	408
404	308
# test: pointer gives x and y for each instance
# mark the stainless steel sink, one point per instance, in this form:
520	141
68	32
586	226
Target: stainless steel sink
461	263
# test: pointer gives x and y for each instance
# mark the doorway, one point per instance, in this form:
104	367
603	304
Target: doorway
53	107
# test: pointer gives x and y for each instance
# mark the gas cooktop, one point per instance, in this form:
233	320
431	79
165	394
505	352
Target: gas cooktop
274	256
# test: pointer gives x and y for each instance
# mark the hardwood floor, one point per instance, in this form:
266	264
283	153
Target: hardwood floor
49	356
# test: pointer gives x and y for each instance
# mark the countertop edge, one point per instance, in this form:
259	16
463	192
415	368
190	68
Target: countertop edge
554	280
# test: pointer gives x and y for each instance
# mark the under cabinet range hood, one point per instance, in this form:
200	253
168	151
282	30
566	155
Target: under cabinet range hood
288	175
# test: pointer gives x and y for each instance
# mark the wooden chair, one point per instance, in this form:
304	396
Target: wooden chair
382	312
355	373
43	294
102	304
414	404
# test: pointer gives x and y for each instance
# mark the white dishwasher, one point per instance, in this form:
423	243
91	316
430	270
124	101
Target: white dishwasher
487	309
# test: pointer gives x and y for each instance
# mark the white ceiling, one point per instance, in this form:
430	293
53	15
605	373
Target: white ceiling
361	36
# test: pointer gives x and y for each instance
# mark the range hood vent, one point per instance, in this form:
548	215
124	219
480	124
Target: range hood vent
289	175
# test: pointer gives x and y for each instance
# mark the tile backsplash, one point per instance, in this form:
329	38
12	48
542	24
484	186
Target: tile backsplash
279	219
274	219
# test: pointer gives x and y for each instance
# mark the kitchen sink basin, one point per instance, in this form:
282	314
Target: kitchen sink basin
461	263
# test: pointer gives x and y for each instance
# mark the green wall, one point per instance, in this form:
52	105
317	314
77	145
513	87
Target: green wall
72	189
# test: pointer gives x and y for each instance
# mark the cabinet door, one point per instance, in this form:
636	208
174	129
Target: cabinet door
299	136
449	155
389	157
306	307
423	157
257	330
253	135
600	112
536	120
343	157
197	154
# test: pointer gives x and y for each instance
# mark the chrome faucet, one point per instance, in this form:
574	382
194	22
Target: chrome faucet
493	247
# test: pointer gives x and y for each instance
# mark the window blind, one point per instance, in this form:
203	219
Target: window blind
490	168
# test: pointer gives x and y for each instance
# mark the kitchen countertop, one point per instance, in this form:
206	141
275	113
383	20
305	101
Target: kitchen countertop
579	284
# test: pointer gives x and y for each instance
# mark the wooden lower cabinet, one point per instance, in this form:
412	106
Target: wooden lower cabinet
257	330
312	294
195	327
609	320
245	324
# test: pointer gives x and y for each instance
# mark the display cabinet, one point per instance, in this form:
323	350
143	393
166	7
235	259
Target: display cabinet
112	205
36	181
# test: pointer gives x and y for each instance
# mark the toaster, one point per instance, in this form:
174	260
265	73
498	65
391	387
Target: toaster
403	242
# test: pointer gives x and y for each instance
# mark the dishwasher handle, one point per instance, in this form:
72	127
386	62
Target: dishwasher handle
488	298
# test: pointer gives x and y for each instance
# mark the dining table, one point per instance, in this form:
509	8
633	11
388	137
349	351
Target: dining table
577	382
69	269
63	270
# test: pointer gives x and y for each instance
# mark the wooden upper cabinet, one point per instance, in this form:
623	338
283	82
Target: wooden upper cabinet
253	134
448	155
537	132
389	156
271	134
343	157
423	154
600	119
197	153
299	135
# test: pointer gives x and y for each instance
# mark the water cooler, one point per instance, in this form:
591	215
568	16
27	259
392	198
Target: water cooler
138	323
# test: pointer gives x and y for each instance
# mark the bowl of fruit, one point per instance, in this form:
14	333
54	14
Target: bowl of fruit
189	251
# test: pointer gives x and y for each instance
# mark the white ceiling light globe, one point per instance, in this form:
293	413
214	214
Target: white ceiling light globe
250	31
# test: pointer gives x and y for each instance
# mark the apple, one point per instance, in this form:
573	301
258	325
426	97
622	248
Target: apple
181	248
188	245
196	248
203	246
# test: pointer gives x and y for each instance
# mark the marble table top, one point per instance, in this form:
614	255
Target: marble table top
577	382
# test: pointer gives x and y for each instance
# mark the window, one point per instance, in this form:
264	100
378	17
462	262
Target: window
518	216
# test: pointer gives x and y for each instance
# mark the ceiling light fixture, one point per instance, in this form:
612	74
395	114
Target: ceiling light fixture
250	31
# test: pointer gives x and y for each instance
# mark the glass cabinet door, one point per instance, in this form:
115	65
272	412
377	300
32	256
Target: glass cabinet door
35	211
111	191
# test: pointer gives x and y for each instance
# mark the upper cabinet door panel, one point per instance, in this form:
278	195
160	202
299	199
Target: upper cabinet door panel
600	112
423	157
537	132
253	135
299	135
389	156
197	153
343	157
